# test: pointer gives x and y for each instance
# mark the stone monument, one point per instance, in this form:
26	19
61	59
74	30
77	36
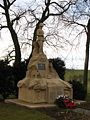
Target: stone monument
41	84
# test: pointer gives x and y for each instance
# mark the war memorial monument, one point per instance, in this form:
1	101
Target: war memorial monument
41	84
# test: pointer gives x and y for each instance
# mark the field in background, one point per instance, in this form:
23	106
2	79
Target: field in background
71	73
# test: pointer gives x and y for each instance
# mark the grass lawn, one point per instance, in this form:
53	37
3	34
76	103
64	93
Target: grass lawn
14	112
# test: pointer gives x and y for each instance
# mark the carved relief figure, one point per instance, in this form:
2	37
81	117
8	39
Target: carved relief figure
36	48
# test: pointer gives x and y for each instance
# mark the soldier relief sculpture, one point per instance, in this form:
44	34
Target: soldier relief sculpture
42	83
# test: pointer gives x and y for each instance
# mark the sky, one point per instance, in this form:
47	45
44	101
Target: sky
73	57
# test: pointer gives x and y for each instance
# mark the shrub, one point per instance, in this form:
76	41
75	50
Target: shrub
6	79
59	66
19	73
78	90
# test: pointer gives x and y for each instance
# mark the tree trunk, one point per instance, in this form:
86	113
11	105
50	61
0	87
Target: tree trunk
16	45
87	58
13	35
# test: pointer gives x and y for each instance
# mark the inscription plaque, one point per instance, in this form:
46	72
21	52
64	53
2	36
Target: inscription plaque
41	66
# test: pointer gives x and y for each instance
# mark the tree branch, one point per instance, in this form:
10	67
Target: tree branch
45	13
12	2
9	4
2	6
17	17
74	22
32	12
64	8
57	4
2	26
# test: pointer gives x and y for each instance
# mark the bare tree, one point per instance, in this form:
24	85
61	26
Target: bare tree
5	7
46	11
38	13
78	17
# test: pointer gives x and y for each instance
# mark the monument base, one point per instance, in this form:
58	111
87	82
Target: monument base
54	87
32	96
28	105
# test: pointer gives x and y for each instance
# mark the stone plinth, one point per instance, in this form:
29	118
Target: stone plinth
41	84
32	96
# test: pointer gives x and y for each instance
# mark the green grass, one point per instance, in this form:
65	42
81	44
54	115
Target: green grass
71	73
14	112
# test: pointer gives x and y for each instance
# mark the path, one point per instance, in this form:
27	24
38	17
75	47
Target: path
83	111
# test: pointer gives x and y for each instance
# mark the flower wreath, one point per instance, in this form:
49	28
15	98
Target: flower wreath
65	102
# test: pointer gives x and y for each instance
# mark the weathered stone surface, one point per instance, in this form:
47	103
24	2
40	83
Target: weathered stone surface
41	84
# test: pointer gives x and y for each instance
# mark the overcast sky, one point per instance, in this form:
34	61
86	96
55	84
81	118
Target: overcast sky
73	57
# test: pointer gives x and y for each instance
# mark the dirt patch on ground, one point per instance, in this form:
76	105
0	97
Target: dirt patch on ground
63	114
85	105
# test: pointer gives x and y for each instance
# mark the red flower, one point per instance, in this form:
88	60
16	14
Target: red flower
66	101
71	105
